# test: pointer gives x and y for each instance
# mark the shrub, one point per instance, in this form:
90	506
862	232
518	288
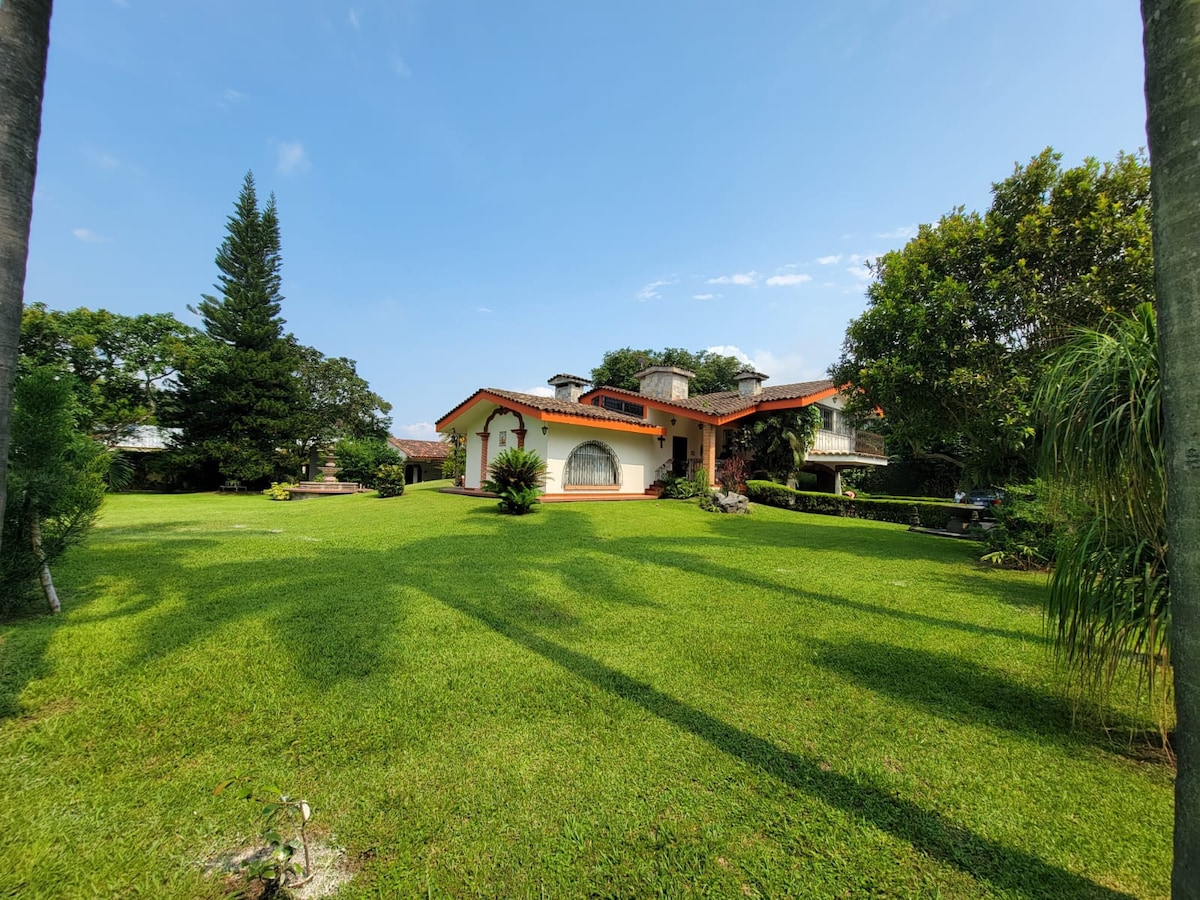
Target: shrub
731	473
932	515
517	479
359	459
278	490
1024	534
389	480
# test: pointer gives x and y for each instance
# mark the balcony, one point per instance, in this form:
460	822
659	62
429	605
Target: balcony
848	442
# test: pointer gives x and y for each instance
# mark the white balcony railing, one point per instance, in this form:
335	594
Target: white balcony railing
848	442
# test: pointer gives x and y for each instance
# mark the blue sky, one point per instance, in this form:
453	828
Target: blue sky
485	194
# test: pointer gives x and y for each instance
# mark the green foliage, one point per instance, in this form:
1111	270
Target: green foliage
1101	411
337	403
517	478
239	394
389	480
958	322
456	462
686	487
359	459
55	482
1024	534
932	515
278	491
275	868
781	440
119	363
714	372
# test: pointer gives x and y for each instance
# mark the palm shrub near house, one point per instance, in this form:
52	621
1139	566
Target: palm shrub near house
517	477
781	441
389	480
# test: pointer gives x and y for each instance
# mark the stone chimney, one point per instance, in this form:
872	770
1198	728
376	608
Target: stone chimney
664	382
749	382
568	387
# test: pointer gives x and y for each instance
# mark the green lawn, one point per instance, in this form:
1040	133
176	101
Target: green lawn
610	700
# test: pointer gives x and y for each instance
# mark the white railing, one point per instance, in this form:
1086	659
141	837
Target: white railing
848	441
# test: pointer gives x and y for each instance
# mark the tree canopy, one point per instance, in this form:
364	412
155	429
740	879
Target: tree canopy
239	397
714	372
959	321
119	364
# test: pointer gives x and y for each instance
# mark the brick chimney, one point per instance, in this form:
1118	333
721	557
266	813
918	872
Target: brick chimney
749	382
568	387
664	382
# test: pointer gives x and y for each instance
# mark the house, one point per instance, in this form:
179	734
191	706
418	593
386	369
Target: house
610	442
422	460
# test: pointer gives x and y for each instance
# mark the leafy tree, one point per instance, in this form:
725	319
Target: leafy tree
56	482
714	372
24	43
959	321
1172	46
1101	413
120	363
337	404
456	462
359	459
781	440
239	395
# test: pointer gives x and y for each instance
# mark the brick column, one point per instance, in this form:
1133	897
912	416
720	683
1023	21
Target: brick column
483	438
708	452
520	433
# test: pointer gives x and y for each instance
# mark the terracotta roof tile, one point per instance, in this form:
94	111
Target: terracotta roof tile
421	449
551	404
724	403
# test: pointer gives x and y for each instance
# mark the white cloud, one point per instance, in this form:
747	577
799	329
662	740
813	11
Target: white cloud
399	66
831	260
705	296
233	96
742	278
417	431
293	158
862	273
786	280
354	18
650	291
787	368
904	232
88	236
483	309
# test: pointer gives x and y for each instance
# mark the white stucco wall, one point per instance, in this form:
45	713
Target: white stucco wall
635	453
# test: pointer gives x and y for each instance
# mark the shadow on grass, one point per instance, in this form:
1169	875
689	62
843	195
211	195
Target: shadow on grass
24	638
960	691
1003	867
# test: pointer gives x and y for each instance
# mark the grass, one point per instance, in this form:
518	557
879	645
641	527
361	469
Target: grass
610	700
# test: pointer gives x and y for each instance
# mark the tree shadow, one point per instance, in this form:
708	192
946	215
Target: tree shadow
23	656
1005	868
961	691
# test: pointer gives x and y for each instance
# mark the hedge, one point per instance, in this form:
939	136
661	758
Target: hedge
932	515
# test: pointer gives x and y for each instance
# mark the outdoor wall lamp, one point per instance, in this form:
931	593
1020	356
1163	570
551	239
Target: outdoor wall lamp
545	430
672	421
700	425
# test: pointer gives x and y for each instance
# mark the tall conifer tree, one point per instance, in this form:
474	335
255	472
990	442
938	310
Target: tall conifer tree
238	400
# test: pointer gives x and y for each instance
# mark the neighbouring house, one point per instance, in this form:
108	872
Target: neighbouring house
422	460
610	442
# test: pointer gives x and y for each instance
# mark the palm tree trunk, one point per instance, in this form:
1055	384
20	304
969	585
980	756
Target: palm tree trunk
24	42
1171	39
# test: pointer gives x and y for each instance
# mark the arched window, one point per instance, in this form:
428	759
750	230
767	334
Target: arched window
592	464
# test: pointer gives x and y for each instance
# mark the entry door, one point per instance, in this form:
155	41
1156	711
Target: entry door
679	457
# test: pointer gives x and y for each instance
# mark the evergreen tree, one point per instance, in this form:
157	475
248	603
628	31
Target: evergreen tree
239	396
